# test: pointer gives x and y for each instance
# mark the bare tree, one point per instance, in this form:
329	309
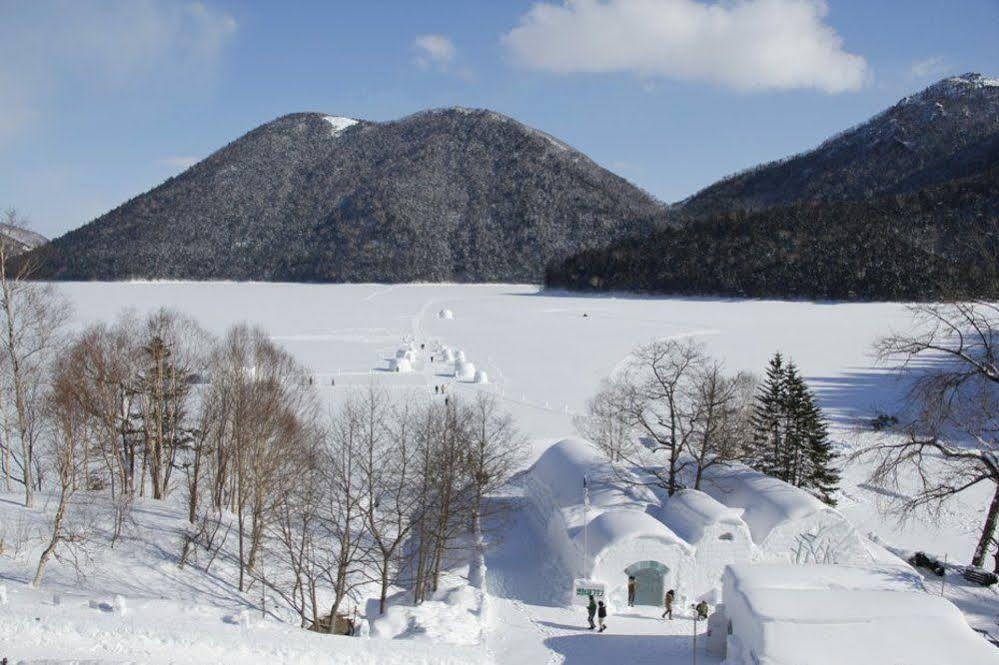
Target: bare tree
494	450
64	455
33	315
720	415
655	396
605	423
948	442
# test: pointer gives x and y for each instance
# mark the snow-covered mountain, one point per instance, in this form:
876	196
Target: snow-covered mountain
949	130
444	195
19	239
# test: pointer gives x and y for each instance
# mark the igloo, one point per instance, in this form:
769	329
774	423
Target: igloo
718	533
619	544
400	365
464	370
786	522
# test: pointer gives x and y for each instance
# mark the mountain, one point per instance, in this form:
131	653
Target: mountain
949	130
902	207
20	240
452	194
941	242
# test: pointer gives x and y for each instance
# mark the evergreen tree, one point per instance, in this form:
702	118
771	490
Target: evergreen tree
790	439
767	441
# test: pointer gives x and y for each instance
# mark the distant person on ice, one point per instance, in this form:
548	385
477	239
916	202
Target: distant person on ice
702	610
668	603
591	611
601	615
632	588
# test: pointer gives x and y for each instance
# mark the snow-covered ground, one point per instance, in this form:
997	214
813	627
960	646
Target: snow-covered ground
544	354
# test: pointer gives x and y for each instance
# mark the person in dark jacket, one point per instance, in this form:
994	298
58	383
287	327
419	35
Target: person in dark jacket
632	589
601	615
591	611
668	603
702	610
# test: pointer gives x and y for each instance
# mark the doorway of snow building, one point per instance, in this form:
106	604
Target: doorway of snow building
651	578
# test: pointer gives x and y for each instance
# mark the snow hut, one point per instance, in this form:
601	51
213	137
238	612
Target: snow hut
619	544
786	522
782	614
464	370
481	376
612	537
718	533
400	365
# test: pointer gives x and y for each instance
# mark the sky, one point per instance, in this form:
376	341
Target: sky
101	100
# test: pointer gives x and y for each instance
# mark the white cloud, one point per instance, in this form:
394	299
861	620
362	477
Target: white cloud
434	51
181	162
52	47
742	44
930	68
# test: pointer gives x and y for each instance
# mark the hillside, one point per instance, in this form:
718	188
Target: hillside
949	130
19	239
939	242
445	195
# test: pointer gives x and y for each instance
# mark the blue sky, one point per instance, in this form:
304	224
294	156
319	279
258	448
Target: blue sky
100	101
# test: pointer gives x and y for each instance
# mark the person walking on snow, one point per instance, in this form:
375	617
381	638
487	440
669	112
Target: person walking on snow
591	610
601	615
632	589
668	603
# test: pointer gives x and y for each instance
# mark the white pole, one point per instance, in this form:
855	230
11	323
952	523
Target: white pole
586	509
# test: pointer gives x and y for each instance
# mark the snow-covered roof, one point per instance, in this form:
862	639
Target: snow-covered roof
766	501
615	527
830	614
689	512
562	467
885	577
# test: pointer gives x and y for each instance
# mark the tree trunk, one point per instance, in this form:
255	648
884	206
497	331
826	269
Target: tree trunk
987	531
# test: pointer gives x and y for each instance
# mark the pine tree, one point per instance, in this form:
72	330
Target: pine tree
821	477
767	442
790	439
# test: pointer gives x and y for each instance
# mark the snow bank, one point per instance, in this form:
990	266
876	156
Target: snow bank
829	615
454	615
786	522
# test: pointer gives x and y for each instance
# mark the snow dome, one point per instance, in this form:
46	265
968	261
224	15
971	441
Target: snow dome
717	532
623	543
464	370
481	376
400	365
786	522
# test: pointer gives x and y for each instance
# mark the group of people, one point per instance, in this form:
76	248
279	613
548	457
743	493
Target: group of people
597	609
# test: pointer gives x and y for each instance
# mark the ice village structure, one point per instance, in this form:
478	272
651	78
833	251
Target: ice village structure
683	542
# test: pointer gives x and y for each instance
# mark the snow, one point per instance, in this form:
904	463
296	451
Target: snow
786	522
481	376
464	370
544	360
339	123
690	512
779	614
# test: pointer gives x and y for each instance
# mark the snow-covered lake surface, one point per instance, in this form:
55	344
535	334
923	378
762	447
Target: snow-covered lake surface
545	354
